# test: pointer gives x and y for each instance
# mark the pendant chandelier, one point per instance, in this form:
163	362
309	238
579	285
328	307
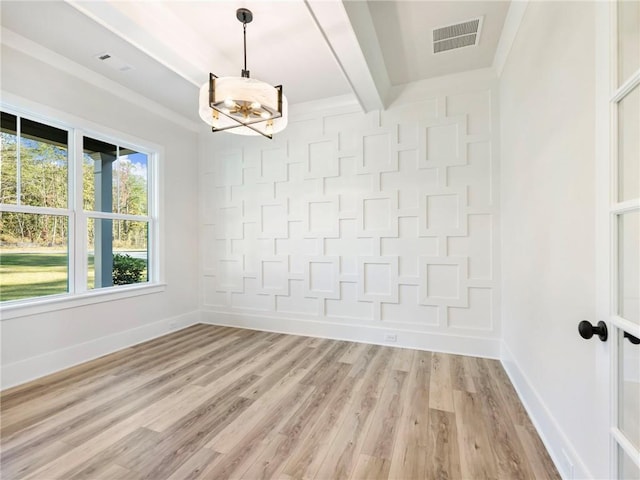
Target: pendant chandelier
243	105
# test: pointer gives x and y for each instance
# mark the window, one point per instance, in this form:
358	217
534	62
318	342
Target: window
115	197
76	212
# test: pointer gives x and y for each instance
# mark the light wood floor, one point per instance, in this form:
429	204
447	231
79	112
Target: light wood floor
213	402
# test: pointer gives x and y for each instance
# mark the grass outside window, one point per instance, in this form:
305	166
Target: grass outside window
30	273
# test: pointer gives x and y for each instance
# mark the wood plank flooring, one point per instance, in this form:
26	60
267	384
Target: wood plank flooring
216	403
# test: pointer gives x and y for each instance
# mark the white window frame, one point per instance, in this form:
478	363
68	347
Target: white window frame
78	294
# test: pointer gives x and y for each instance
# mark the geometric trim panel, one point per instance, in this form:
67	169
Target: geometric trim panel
229	272
443	212
321	217
274	275
273	220
377	215
321	277
444	281
378	151
320	158
378	279
442	142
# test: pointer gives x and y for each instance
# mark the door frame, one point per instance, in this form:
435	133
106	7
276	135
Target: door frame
608	93
603	370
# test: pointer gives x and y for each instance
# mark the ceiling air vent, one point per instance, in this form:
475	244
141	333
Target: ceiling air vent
113	62
456	36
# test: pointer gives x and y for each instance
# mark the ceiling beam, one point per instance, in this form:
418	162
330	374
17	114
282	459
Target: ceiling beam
152	28
509	31
55	60
348	29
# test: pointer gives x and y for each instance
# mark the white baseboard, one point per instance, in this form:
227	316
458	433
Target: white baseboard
35	367
436	342
561	450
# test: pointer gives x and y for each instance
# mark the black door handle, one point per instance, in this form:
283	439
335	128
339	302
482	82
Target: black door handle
631	338
587	330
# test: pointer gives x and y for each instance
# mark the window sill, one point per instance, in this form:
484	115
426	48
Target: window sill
62	302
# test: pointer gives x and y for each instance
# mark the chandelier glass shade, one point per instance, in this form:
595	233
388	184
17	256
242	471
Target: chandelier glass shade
243	105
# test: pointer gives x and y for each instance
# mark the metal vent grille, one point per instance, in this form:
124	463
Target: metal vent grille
456	36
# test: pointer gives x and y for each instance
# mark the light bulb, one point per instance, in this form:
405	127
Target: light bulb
228	102
264	114
255	105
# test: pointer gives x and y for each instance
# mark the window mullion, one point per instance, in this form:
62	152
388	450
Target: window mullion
18	160
153	210
79	218
71	205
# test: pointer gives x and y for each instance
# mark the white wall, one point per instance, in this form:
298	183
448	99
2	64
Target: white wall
547	114
360	226
38	344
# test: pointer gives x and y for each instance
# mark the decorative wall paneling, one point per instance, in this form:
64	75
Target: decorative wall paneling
376	227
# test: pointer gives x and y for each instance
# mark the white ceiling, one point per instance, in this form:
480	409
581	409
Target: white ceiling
404	31
314	48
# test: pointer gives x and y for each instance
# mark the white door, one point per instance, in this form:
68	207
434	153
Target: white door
624	218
